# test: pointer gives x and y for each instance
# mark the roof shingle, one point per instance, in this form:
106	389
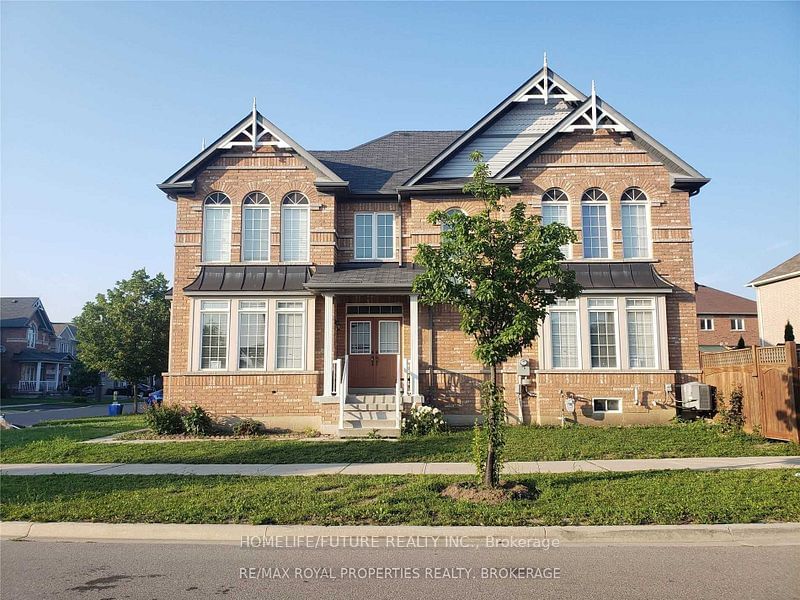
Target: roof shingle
711	301
786	268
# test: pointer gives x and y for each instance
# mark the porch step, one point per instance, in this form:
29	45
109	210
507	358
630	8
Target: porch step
370	415
382	432
371	398
357	406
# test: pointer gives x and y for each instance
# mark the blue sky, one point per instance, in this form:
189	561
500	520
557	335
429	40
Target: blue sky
101	101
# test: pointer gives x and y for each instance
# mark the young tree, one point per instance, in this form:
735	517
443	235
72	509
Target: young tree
488	266
125	331
788	332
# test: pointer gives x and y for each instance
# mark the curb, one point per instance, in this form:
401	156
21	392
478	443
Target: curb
301	536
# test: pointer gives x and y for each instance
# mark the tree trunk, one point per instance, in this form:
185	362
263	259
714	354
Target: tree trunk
135	392
488	474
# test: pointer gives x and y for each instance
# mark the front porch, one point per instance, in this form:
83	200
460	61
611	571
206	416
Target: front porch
42	372
370	347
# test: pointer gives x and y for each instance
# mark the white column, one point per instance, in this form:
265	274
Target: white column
58	374
38	374
327	368
414	309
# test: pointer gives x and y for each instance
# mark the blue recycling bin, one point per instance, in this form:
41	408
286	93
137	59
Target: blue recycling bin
114	409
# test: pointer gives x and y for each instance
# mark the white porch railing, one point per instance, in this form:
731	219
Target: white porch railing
399	392
37	386
341	385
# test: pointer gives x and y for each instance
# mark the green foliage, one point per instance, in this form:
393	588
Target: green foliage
489	438
165	420
423	420
488	268
125	331
81	376
740	344
197	421
731	415
788	332
248	427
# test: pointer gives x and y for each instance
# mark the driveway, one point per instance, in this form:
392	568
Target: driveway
35	413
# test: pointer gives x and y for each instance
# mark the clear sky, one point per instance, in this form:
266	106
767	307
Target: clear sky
102	101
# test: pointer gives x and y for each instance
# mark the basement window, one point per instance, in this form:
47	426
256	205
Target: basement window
607	405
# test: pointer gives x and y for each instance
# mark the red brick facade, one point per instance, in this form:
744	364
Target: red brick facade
448	372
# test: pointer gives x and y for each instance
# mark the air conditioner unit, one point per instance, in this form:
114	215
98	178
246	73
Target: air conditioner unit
696	395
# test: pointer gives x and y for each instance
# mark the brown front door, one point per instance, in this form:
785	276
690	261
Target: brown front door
373	344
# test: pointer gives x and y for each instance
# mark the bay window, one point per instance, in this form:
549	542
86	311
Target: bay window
290	335
252	334
217	228
255	228
594	217
564	335
635	234
641	318
374	236
294	228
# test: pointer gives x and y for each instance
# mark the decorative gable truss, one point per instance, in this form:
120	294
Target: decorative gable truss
253	134
592	117
545	87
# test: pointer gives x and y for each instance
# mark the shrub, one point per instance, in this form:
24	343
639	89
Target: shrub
248	427
732	413
788	332
197	421
423	420
165	420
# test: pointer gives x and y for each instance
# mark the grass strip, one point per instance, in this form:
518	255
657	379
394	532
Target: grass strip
58	442
650	497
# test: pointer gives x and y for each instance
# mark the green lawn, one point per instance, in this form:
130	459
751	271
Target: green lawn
58	443
651	497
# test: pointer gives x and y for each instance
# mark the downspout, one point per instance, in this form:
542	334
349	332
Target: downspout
432	362
399	230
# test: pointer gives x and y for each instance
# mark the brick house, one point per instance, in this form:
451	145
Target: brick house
292	294
722	318
34	361
778	298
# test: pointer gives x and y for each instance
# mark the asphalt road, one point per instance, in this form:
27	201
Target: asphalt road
36	413
40	570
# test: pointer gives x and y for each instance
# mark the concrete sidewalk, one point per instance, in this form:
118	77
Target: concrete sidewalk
310	536
427	468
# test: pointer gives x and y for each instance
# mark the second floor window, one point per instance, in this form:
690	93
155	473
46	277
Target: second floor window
635	236
217	228
706	324
294	228
31	336
255	228
555	209
594	216
374	236
737	324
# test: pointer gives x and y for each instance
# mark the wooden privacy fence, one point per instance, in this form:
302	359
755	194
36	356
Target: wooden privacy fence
770	379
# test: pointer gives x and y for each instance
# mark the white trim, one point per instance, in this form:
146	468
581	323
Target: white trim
350	324
647	219
374	231
397	321
705	319
413	303
614	309
242	243
605	405
327	352
304	207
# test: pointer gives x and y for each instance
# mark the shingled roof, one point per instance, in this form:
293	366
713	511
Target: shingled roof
785	270
711	301
381	165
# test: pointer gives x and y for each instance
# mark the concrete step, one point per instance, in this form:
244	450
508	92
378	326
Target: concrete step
372	398
369	415
383	432
356	406
369	423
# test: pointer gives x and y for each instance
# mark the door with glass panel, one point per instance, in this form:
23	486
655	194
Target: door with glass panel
373	344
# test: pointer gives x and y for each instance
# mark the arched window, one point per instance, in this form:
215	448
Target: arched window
217	228
255	227
32	335
294	228
555	209
594	218
450	212
635	233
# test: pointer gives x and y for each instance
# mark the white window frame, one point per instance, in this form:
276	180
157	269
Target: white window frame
291	202
251	310
227	312
653	310
32	335
572	306
555	196
217	201
303	311
609	238
735	321
256	201
605	410
350	324
614	310
706	321
396	323
641	200
374	232
451	211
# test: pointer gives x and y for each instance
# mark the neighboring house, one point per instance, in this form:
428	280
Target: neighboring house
66	338
31	361
778	298
288	260
722	318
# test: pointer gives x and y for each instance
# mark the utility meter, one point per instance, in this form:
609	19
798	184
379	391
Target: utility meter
569	404
523	368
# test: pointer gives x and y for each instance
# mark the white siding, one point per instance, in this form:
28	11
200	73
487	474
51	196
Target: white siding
508	137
